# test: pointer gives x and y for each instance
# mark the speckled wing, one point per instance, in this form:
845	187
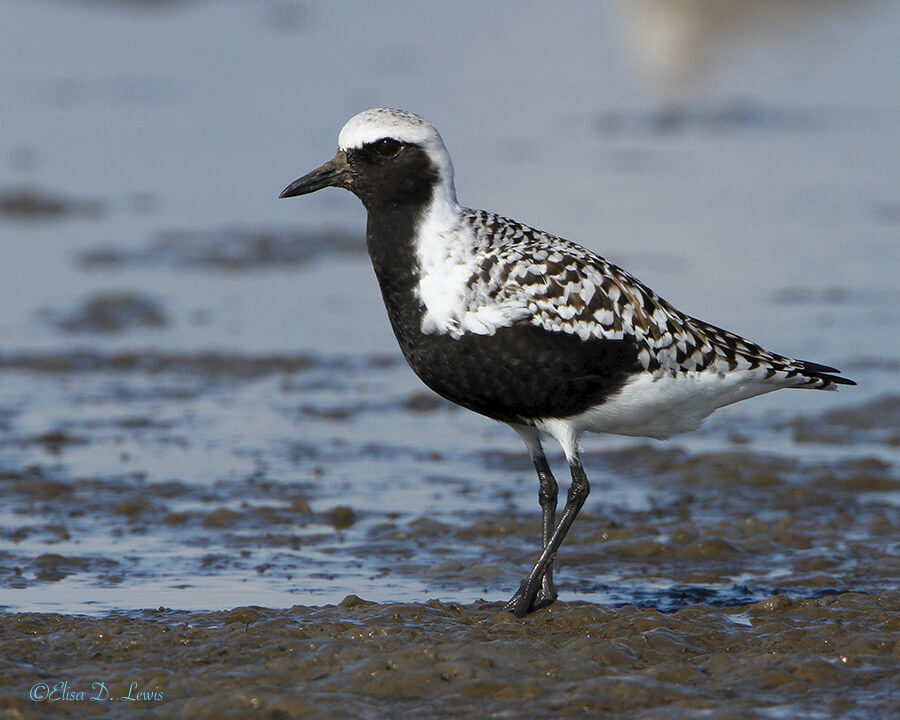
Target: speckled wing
527	276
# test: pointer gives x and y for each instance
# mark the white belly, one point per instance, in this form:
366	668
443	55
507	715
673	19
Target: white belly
665	406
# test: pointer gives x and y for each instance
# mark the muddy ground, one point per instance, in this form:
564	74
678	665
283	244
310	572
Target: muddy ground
835	656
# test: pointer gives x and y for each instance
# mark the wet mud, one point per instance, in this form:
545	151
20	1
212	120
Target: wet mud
31	204
111	312
877	421
228	249
835	656
737	115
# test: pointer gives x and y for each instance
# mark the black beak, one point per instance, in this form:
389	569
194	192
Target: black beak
334	173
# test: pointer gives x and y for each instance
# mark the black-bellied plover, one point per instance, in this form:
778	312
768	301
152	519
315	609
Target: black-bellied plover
528	328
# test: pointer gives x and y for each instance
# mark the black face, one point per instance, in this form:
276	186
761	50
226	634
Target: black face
383	173
390	172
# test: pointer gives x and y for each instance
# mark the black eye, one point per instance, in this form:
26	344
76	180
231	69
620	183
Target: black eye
387	147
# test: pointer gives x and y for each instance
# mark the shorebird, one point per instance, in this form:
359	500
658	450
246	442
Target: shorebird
528	328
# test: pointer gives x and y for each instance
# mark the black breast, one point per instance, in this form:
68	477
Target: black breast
522	372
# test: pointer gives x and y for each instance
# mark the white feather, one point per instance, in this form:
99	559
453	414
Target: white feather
666	405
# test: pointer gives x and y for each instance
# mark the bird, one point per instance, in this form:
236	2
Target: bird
528	328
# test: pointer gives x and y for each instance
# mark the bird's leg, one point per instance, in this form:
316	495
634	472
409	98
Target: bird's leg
524	601
547	496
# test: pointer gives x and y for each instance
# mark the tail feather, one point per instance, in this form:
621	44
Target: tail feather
823	373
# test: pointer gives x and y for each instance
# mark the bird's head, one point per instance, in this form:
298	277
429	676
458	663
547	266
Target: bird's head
385	157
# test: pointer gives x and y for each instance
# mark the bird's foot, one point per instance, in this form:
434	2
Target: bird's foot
547	594
533	594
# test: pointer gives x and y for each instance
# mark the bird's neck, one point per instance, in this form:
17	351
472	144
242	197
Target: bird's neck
390	240
393	237
393	240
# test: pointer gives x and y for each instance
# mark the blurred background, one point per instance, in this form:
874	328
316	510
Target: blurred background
165	321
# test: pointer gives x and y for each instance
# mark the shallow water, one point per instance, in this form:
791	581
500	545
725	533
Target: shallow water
202	407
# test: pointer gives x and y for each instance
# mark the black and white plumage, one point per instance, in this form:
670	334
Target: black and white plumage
531	329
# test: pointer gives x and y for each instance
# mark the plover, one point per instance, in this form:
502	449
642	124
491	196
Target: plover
528	328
